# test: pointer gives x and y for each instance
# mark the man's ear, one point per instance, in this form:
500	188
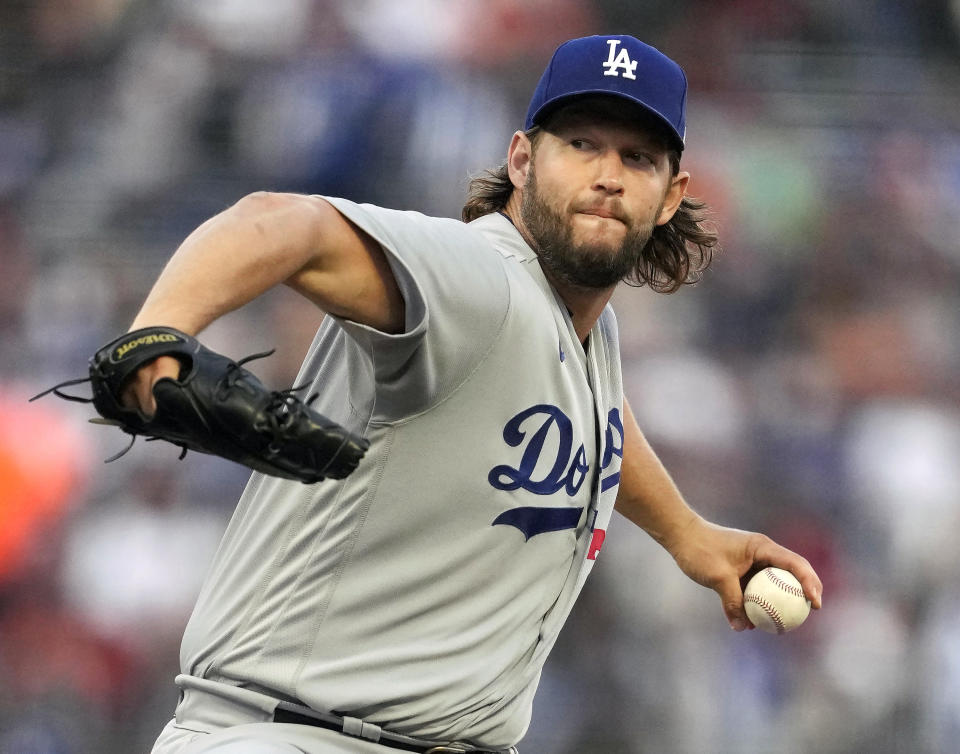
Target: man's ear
675	194
519	157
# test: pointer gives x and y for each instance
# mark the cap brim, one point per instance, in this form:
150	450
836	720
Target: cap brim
550	106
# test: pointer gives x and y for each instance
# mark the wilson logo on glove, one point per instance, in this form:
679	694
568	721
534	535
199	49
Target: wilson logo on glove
125	348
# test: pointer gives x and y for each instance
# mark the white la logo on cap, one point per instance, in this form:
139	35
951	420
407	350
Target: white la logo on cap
621	62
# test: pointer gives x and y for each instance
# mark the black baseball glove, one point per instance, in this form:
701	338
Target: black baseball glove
217	406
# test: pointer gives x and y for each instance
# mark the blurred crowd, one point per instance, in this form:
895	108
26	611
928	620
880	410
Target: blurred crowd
807	388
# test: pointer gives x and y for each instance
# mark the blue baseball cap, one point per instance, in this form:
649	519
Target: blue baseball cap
618	65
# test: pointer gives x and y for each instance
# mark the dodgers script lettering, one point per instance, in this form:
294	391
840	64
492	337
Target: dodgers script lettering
545	426
568	470
531	429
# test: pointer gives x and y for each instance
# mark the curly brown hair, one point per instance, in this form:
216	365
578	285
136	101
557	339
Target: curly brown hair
677	254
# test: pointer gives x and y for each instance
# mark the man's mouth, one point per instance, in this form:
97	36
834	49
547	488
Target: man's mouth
602	212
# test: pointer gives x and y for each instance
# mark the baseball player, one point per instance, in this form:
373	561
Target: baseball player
411	605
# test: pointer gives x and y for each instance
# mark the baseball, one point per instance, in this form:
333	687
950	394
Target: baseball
774	601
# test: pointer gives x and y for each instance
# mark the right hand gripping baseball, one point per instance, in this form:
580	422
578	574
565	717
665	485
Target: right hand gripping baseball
723	559
217	406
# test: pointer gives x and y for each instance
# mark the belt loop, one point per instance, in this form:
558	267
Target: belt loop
354	726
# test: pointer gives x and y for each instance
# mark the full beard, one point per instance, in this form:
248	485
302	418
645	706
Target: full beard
593	265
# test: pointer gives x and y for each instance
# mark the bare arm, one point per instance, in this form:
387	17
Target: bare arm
260	242
714	556
265	240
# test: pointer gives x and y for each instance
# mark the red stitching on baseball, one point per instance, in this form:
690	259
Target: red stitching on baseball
789	588
769	609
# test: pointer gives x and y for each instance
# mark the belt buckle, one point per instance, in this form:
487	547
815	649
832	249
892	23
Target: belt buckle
444	750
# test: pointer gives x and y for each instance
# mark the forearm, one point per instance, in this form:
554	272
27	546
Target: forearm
231	259
648	496
714	556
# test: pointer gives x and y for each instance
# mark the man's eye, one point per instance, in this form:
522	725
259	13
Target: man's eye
579	143
640	158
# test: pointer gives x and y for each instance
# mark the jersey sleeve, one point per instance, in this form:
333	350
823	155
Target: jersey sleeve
456	298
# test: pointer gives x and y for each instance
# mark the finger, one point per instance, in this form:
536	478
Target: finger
731	596
780	557
148	403
145	380
128	397
137	394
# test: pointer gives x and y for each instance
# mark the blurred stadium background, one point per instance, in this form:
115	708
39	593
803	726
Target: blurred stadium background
807	388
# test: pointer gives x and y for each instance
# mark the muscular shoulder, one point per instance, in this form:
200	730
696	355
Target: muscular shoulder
443	256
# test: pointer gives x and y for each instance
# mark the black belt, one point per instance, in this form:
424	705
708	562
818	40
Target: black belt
390	740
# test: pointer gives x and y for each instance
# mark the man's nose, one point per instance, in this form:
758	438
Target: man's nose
609	178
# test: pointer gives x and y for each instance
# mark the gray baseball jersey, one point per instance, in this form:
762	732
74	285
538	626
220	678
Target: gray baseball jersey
423	592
